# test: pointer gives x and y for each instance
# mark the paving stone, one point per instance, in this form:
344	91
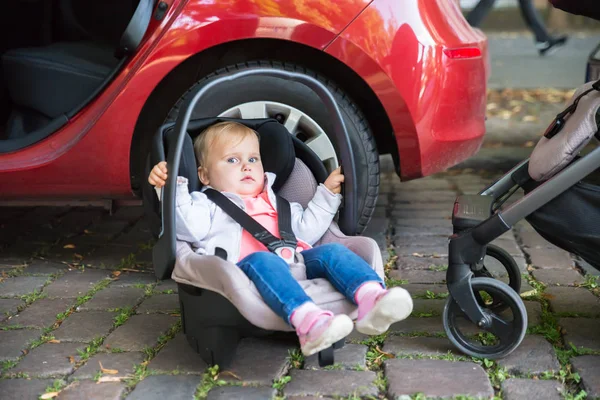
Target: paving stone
425	214
23	389
395	205
404	263
160	303
573	300
90	390
140	331
12	342
426	184
587	268
534	313
108	257
128	213
533	356
510	245
75	283
426	306
21	285
581	332
534	240
517	389
544	258
104	231
425	196
498	270
122	362
114	297
420	231
161	387
430	326
133	278
588	368
140	233
42	313
178	355
331	383
240	392
271	355
419	276
408	377
9	306
10	262
427	346
348	357
68	250
49	360
417	249
416	289
85	326
45	267
426	226
167	284
558	276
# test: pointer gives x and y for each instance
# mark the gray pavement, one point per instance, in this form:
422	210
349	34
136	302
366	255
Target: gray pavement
515	62
82	315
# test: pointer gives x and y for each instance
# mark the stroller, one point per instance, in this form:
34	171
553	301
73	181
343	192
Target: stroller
558	203
219	304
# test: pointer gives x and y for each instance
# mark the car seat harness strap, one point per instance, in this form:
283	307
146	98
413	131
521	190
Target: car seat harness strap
284	247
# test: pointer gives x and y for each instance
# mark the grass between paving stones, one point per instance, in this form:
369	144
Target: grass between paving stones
56	387
141	370
551	331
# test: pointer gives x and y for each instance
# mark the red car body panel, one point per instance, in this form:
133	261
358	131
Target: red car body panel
436	105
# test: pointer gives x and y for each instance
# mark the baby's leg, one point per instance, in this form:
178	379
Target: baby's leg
317	328
378	308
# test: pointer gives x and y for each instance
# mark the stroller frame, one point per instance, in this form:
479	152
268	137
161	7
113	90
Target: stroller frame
476	224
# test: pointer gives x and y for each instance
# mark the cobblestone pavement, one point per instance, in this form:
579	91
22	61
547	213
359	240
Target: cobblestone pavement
82	315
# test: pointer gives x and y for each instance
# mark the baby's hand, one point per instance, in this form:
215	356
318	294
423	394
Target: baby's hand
158	175
334	181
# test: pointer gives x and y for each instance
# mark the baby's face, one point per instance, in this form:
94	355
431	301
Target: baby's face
234	167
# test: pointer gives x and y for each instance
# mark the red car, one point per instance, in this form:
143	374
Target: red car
86	84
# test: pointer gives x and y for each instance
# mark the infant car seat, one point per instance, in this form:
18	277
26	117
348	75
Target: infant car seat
219	304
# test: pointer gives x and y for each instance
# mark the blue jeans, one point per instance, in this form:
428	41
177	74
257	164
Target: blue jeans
272	277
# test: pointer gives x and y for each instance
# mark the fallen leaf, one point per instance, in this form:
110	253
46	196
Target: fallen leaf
53	341
530	118
78	256
110	379
69	246
529	293
86	231
71	359
116	273
228	373
529	143
50	395
107	371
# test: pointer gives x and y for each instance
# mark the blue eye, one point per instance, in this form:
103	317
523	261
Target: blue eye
232	160
253	159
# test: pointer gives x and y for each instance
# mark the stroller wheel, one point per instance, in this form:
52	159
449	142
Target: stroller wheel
500	333
512	270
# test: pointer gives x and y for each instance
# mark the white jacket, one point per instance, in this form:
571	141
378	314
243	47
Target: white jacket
206	227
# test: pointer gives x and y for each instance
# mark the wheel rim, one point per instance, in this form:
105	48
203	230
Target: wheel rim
295	121
454	316
508	265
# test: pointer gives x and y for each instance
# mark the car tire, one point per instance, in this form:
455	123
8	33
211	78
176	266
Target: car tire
298	96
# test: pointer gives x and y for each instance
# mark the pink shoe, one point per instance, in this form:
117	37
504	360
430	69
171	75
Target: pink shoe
392	306
322	331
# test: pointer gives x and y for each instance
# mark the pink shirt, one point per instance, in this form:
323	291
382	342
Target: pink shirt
263	212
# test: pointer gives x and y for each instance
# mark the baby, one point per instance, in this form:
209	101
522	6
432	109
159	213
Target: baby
229	159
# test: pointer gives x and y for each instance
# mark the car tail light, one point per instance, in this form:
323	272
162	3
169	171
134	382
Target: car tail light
464	52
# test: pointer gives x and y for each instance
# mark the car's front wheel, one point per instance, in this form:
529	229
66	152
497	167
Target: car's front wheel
302	113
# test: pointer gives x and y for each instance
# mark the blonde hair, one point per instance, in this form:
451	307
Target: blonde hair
220	131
